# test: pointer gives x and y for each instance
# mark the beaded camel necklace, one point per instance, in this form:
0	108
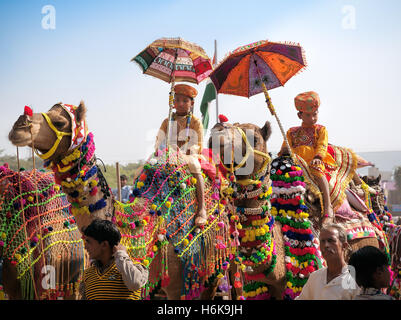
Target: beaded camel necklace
253	226
81	179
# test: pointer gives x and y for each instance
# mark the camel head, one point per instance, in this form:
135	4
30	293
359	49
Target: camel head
242	147
50	133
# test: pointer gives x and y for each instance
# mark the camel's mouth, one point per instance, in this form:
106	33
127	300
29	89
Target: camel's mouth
20	141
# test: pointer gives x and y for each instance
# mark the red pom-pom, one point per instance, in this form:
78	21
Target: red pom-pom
28	111
165	282
222	118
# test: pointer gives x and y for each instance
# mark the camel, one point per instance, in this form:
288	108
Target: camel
229	140
42	248
392	231
263	262
150	233
349	208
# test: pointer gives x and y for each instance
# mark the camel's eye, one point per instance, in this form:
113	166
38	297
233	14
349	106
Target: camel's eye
59	123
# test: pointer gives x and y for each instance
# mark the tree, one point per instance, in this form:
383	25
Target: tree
397	177
27	164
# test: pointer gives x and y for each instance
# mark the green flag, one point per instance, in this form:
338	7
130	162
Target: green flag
208	96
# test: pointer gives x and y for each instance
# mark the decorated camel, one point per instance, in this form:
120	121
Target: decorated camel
278	246
157	226
40	244
376	199
276	254
287	228
349	208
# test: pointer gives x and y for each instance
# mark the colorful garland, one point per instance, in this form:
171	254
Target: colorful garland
302	256
81	177
252	228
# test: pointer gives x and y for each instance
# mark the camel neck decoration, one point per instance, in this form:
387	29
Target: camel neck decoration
257	249
302	255
37	231
81	179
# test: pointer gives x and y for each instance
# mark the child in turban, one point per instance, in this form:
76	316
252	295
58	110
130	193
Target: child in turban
310	141
187	134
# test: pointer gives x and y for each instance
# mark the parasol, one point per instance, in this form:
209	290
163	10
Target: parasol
174	59
259	67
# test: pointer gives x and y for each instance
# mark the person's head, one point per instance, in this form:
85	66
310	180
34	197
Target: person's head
307	104
123	180
184	98
333	243
371	268
308	118
100	237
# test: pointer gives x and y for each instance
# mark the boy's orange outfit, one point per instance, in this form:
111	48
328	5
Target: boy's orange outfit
310	141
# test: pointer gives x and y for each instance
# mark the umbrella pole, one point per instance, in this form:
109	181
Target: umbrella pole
171	103
273	112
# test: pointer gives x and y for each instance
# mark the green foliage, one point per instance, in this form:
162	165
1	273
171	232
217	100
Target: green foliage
130	170
27	164
397	177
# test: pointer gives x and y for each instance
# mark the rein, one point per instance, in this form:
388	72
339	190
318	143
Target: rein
249	150
60	135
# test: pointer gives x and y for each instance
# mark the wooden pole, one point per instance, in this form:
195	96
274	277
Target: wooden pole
217	95
171	102
118	182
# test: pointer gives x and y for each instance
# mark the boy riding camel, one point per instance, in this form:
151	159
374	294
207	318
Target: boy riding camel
187	135
310	141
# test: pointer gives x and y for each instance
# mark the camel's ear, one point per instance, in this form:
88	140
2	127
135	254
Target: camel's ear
266	131
80	113
378	179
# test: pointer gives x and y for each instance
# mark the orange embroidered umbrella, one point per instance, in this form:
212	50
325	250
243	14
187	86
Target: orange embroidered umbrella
259	67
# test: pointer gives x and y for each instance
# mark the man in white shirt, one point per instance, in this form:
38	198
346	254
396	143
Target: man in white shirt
335	281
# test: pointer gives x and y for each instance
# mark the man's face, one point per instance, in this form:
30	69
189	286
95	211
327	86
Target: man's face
330	245
309	118
123	182
94	248
182	104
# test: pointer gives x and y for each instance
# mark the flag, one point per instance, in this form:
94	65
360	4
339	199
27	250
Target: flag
208	96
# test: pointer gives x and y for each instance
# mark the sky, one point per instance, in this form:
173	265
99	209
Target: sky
352	49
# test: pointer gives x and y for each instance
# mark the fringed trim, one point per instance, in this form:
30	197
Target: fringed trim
336	204
309	181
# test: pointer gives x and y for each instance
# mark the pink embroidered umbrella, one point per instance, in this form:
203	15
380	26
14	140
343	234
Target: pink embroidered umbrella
174	59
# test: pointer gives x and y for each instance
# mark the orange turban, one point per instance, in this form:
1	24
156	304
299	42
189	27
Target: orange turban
185	90
307	102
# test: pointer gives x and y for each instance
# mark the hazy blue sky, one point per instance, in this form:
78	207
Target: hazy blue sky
354	65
